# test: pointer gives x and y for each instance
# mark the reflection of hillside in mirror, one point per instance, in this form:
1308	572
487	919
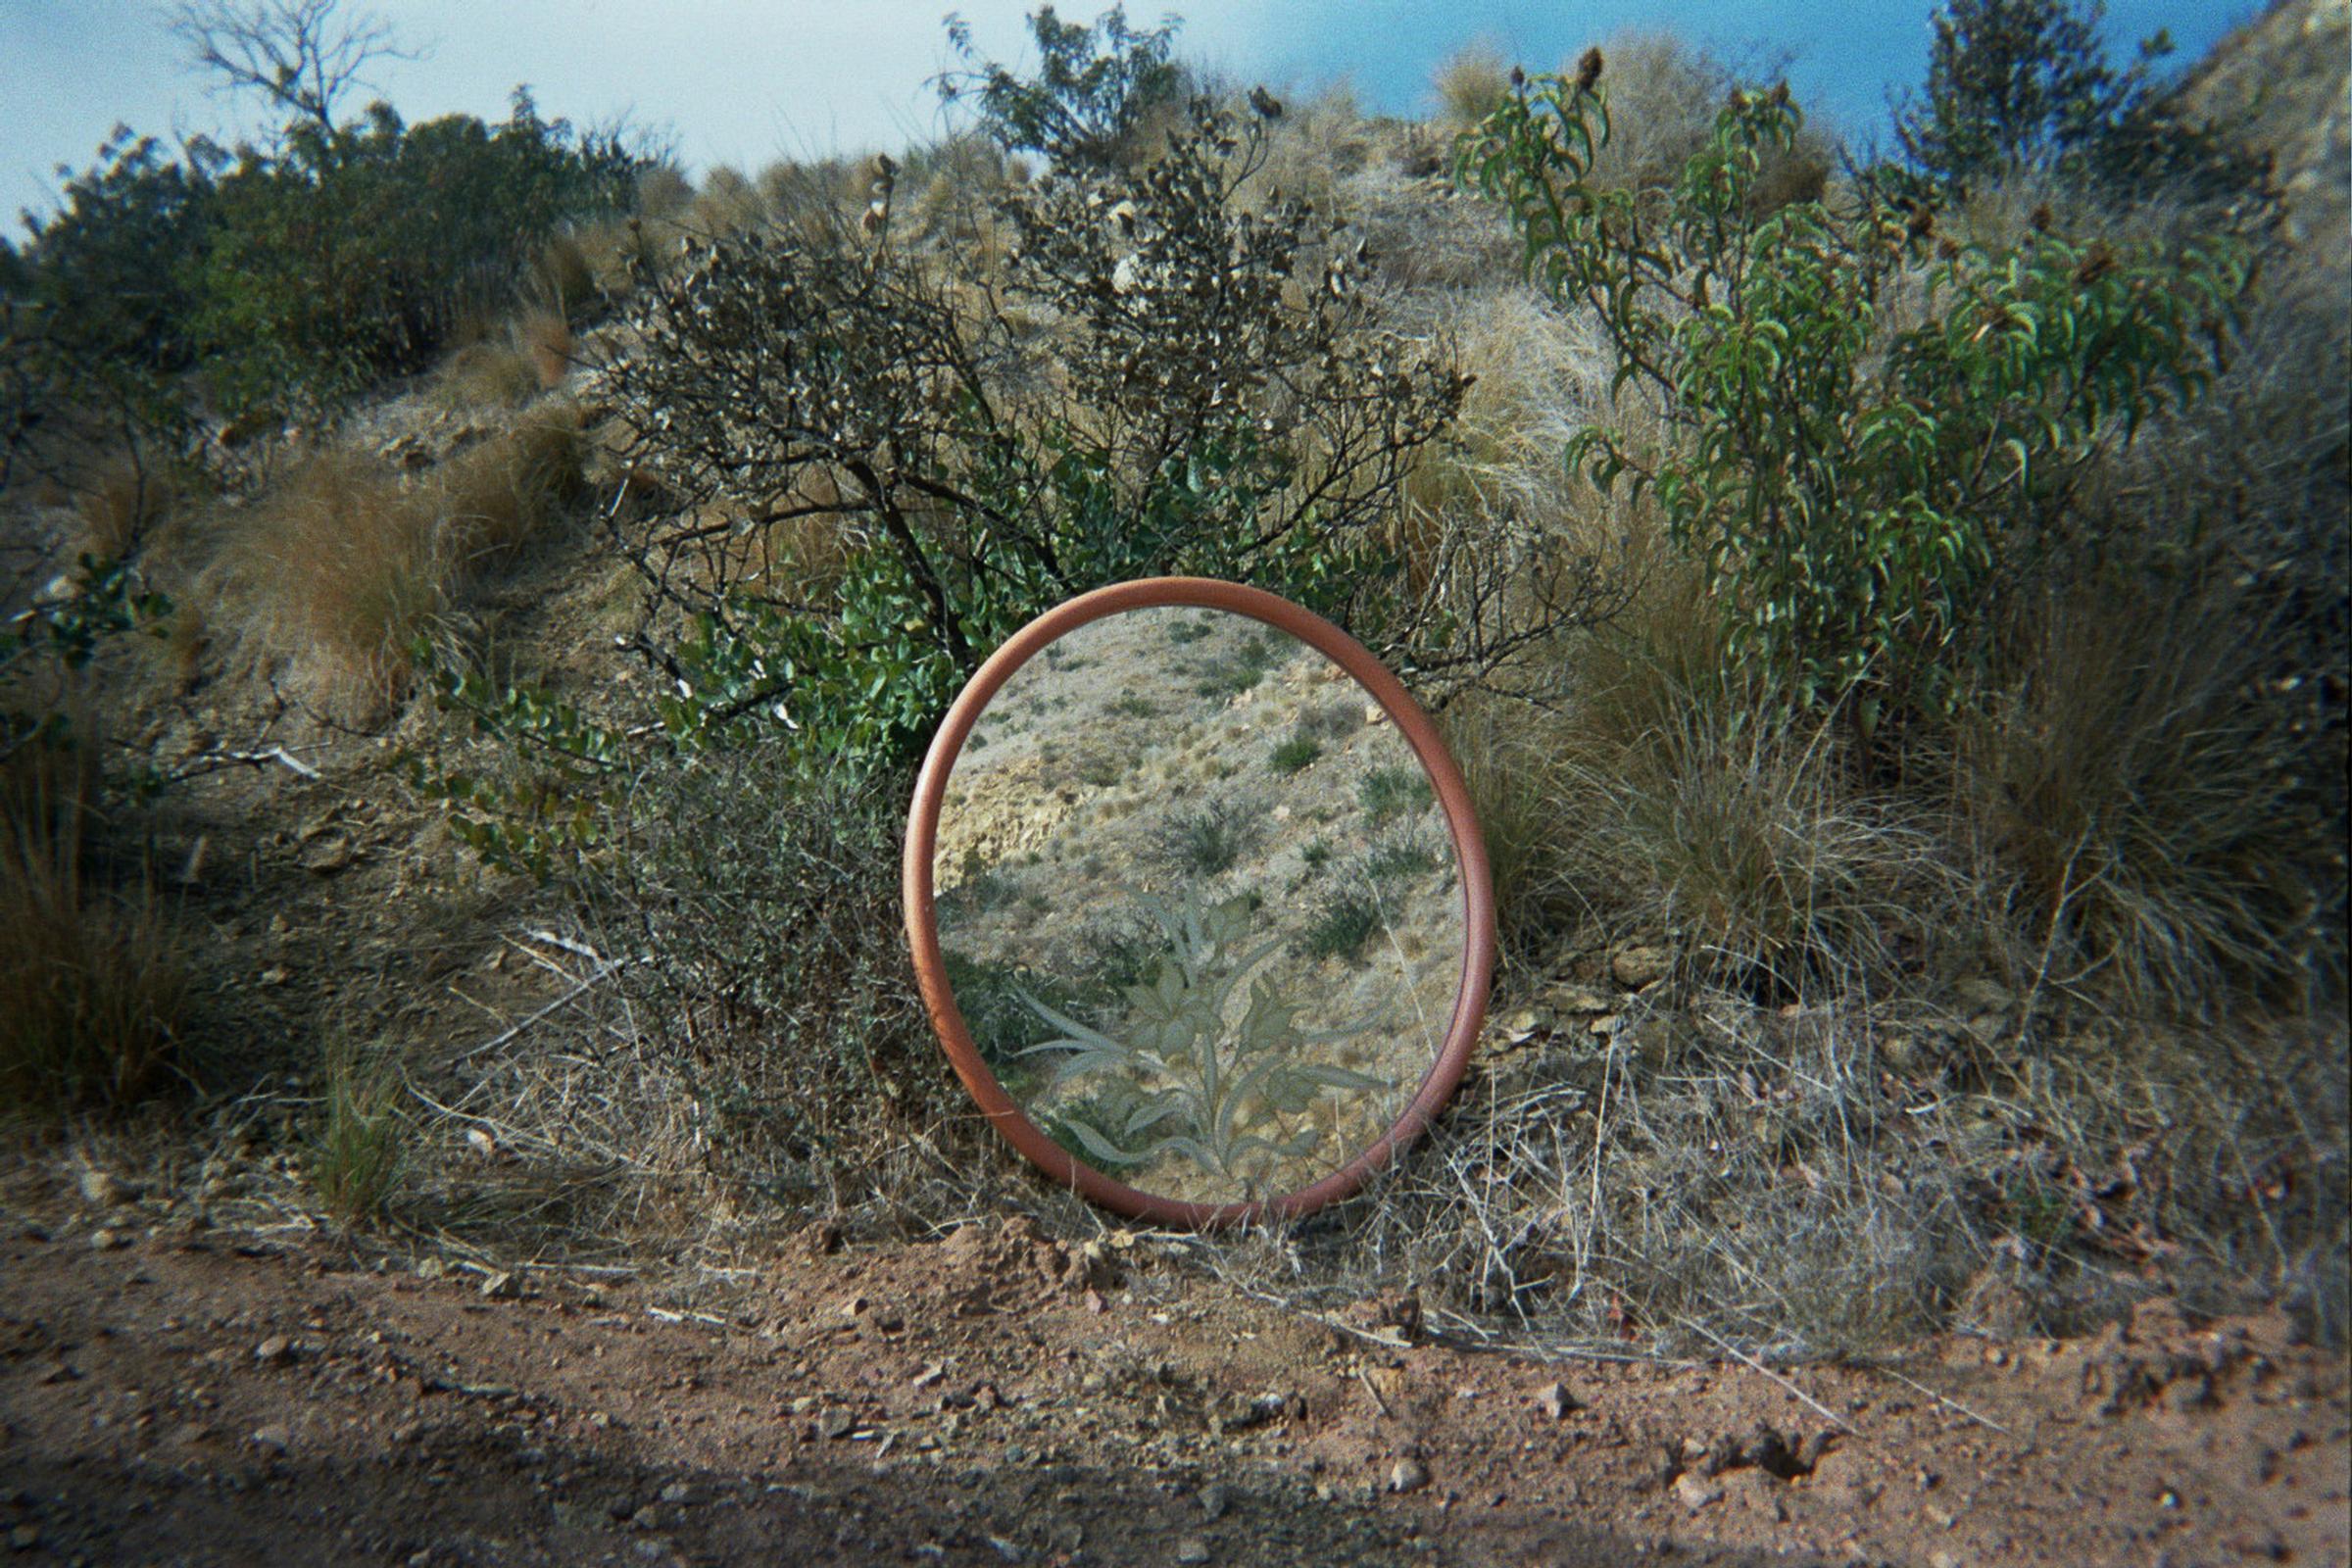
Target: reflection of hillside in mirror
1198	905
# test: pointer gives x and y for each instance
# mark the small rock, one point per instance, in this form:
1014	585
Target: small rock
274	1350
272	1440
501	1286
1192	1549
276	975
836	1423
1557	1403
1636	968
1407	1474
1696	1490
1215	1500
106	1190
1521	1026
1004	1550
24	1538
106	1240
2193	1393
677	1493
328	855
1905	1053
1577	999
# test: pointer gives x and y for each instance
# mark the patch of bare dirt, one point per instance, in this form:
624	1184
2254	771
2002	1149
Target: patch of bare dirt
177	1395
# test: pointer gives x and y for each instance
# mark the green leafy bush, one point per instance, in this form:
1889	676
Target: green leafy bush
352	253
2025	84
1862	481
1231	1093
1296	753
95	316
1092	88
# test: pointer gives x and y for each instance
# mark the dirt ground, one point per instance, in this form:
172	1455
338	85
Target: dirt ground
172	1393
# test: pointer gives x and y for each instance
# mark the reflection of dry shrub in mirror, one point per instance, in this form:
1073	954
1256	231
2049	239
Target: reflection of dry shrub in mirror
1212	979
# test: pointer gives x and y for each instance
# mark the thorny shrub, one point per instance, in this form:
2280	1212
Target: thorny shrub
1160	381
800	1037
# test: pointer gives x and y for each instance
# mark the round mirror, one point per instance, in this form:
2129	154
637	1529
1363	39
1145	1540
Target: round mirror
1196	903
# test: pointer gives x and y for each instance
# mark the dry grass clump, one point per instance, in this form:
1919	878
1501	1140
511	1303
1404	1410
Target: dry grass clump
546	339
1314	151
1663	96
91	998
122	507
343	566
1539	377
506	369
562	279
728	202
1841	1177
812	201
1471	83
358	1147
2128	781
492	372
339	570
1750	847
494	497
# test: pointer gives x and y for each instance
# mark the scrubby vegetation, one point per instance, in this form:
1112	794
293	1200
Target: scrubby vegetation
1891	619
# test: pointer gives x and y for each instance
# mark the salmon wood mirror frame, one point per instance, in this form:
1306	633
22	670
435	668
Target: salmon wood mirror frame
1453	797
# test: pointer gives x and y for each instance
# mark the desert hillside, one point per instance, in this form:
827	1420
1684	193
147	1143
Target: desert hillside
477	596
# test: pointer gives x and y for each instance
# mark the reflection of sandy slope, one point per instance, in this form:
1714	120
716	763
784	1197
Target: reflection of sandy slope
1001	813
1106	774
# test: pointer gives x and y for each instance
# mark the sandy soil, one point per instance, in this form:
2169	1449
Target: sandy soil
174	1394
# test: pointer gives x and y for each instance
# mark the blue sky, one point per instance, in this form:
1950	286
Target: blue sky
746	81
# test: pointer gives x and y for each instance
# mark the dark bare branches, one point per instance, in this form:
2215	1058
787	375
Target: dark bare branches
300	55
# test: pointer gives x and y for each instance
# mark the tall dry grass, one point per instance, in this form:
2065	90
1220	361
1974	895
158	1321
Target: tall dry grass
344	565
123	506
92	996
1663	95
2164	844
359	1144
1471	83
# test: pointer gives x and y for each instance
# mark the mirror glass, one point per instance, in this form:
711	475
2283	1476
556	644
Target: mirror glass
1198	904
